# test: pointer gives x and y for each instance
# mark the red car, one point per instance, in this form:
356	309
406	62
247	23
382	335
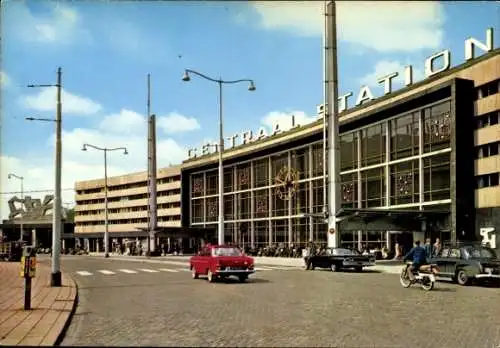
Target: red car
221	261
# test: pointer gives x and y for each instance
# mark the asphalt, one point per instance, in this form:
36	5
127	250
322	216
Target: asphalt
126	303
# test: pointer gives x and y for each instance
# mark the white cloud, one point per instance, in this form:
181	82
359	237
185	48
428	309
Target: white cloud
175	123
382	26
45	100
284	119
385	67
61	25
84	165
4	79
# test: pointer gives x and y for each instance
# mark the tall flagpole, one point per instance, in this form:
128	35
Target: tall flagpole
333	128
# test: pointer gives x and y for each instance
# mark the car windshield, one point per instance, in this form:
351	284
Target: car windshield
226	252
481	253
342	252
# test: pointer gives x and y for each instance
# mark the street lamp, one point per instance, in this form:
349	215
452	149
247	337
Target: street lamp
10	176
56	216
106	227
220	82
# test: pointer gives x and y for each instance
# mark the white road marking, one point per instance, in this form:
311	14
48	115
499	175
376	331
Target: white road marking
148	270
273	267
106	272
185	269
129	271
169	270
261	269
84	273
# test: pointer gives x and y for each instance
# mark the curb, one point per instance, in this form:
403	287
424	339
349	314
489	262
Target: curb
62	334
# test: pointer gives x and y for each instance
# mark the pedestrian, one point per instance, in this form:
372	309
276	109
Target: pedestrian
428	248
436	250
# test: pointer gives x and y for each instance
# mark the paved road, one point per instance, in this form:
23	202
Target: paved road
131	305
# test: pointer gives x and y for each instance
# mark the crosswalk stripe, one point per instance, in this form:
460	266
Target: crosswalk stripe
262	269
106	272
148	270
272	267
169	270
129	271
84	273
184	269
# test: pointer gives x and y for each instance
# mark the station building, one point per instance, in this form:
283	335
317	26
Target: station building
420	162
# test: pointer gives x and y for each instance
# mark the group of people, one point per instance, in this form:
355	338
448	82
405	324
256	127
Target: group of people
420	255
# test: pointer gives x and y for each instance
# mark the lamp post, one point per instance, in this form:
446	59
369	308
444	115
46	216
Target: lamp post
220	82
106	227
10	176
56	216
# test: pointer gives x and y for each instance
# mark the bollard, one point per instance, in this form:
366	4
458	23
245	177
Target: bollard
28	271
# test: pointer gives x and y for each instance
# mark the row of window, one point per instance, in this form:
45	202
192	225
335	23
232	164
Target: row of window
161	181
487	180
487	150
307	197
128	221
489	119
127	210
128	198
403	139
488	89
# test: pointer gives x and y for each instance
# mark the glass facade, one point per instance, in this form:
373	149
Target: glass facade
402	162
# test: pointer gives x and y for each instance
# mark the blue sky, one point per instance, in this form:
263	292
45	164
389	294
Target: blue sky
106	50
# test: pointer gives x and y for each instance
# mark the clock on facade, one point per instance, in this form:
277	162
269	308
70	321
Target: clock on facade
287	183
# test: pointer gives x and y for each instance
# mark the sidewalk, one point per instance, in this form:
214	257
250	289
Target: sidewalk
51	312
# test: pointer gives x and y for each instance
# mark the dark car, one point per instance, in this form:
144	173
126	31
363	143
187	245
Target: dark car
339	258
466	263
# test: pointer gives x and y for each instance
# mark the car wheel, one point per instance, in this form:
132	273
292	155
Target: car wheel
210	276
462	277
194	273
333	267
243	278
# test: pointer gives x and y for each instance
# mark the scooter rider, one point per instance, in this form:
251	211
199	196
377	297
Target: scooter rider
418	256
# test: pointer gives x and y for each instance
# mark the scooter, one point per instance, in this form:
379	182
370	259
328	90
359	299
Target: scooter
425	277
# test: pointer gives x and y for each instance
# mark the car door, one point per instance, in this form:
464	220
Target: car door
443	262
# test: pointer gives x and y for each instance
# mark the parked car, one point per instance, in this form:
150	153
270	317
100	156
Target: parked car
220	262
339	258
465	263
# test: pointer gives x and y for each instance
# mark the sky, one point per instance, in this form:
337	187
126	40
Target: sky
107	48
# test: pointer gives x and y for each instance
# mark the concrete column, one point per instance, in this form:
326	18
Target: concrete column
252	205
360	239
359	192
387	167
421	160
33	237
289	208
63	242
270	200
97	245
311	191
388	240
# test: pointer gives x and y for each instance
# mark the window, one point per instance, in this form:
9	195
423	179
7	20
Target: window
349	151
226	252
277	163
197	210
486	120
404	136
317	196
487	150
349	190
373	188
373	145
320	229
261	203
300	162
487	180
280	231
488	89
404	183
197	185
244	205
229	236
317	159
229	207
243	177
300	200
280	206
212	209
261	233
261	172
437	127
437	177
212	182
300	235
228	179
